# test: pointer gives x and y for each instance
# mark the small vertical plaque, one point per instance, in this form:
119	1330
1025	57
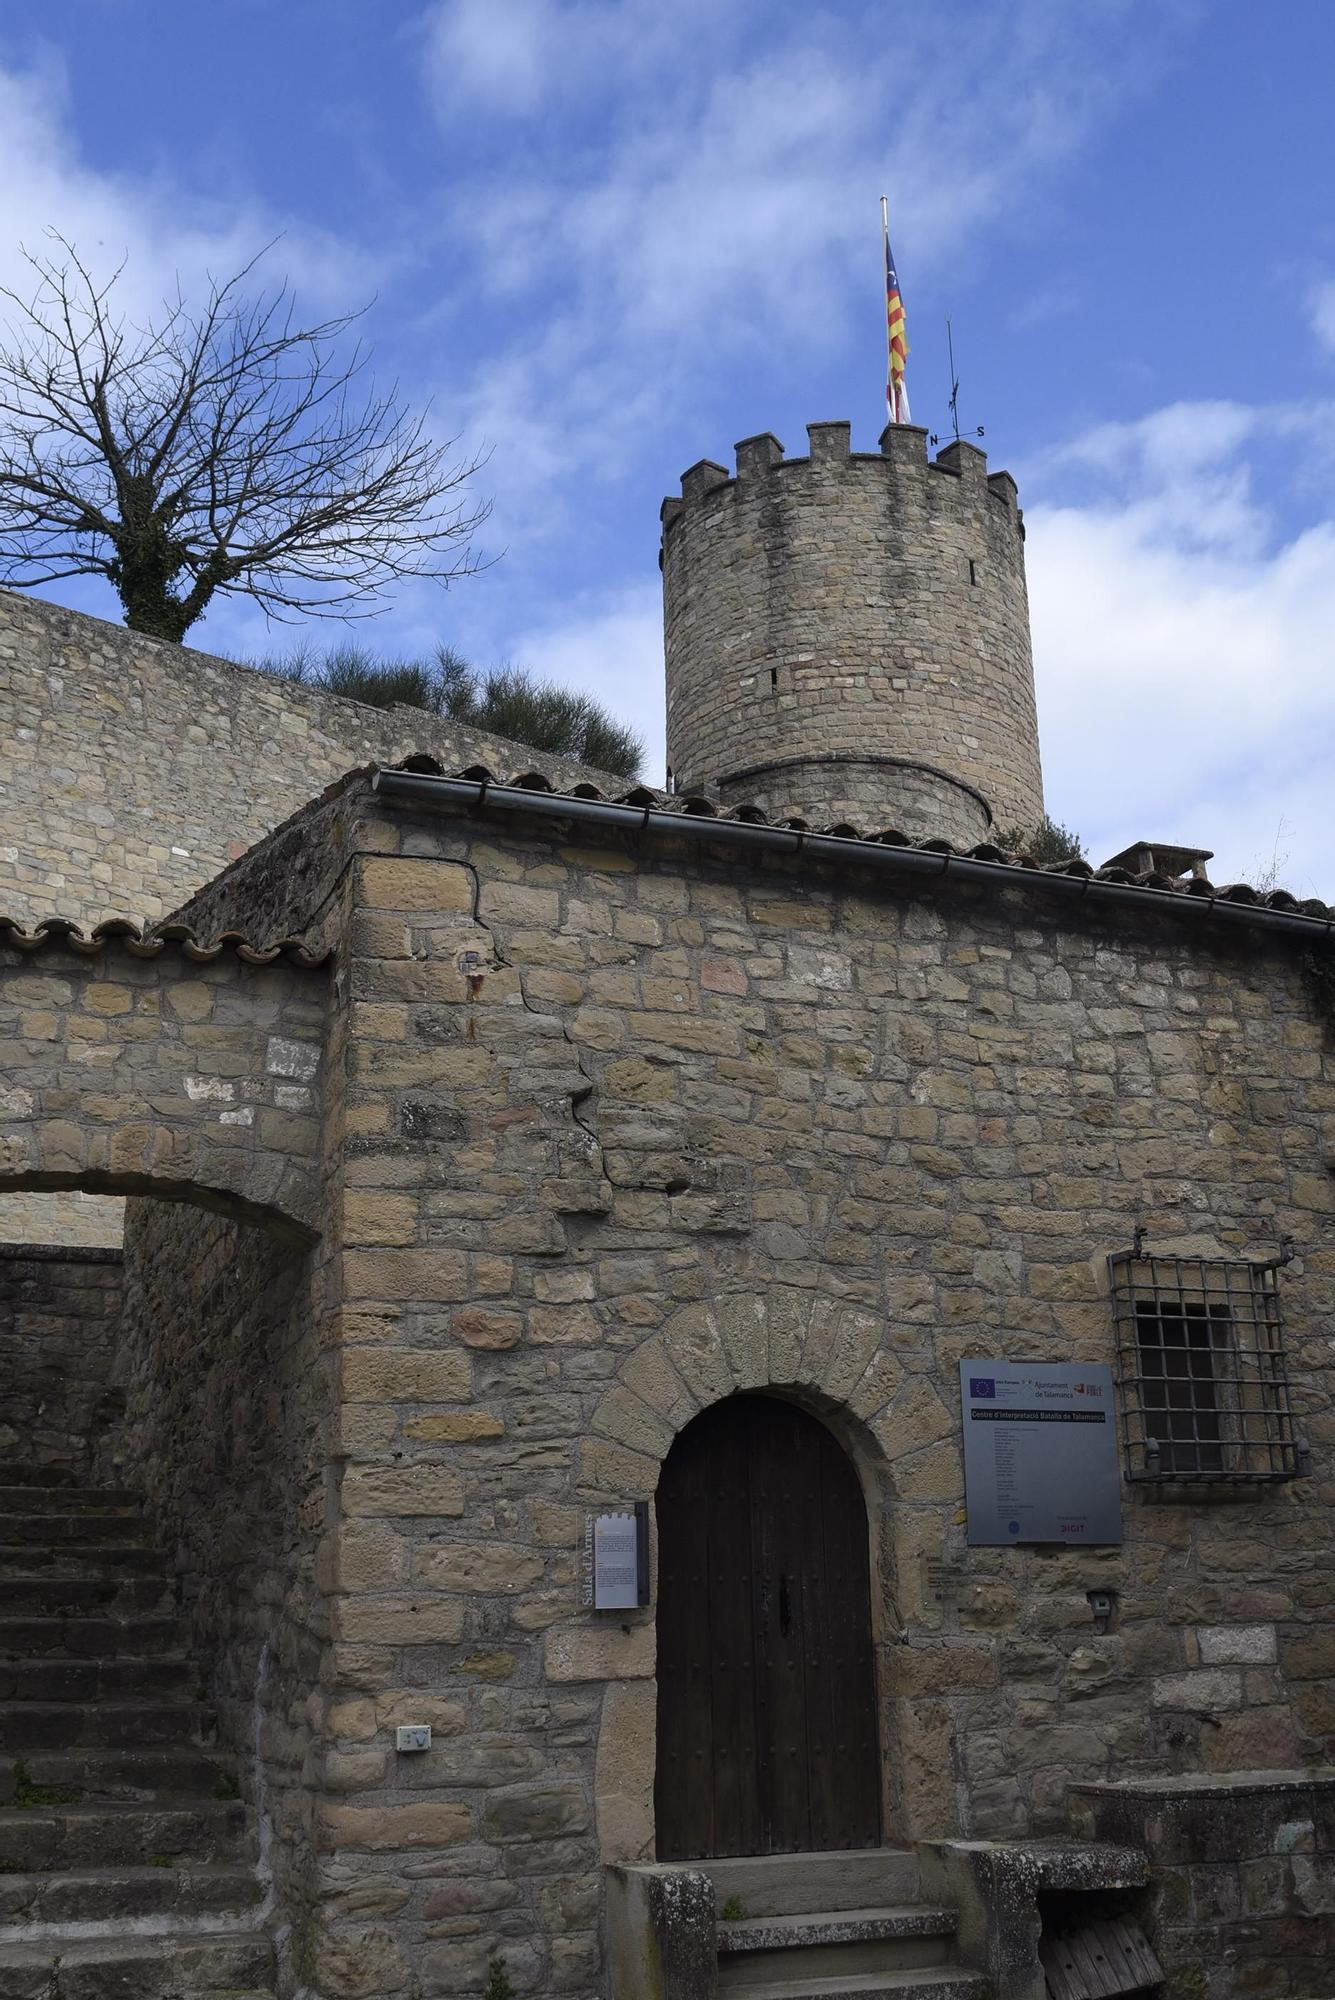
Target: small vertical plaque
615	1560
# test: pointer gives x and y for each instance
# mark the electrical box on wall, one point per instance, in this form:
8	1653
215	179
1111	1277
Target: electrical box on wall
615	1560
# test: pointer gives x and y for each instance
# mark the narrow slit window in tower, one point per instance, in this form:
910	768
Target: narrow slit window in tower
973	571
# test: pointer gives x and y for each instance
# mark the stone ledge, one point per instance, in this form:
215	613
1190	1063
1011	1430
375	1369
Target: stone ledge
1206	1785
1057	1865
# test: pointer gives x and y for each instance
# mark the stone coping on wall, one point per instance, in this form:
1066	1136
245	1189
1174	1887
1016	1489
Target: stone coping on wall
60	1253
1058	1865
1208	1784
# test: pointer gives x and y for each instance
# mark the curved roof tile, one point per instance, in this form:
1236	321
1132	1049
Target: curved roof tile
152	942
697	806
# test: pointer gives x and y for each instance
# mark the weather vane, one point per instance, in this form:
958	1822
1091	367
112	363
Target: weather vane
954	401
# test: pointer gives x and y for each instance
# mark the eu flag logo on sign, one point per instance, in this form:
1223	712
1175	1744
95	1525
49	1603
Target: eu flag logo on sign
982	1385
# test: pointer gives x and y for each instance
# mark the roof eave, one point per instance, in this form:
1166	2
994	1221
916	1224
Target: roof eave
480	795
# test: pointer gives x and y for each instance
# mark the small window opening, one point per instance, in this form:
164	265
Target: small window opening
973	571
1202	1373
774	677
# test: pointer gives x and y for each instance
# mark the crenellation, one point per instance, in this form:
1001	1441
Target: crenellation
829	443
847	637
756	455
702	479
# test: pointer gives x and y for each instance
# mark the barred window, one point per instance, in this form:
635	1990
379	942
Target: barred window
1203	1385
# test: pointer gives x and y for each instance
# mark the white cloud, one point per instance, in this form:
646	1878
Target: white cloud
679	186
160	230
508	59
1183	650
612	648
1323	313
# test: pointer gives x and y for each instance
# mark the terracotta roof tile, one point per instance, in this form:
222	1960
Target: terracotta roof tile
153	941
696	806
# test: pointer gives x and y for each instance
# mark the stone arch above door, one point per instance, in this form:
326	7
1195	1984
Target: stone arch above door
836	1356
836	1353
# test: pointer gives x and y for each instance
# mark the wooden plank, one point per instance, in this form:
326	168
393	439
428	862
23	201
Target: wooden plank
842	1563
1063	1980
819	1598
738	1819
778	1449
1137	1951
683	1787
1098	1960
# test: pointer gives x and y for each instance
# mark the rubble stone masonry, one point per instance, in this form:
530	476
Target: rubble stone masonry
848	637
626	1127
124	1074
59	1311
132	771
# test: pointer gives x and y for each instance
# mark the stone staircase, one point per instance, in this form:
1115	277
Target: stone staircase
126	1863
834	1926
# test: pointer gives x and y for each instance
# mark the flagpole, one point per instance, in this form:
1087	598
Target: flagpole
885	266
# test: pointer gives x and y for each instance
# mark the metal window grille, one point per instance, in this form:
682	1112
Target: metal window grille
1204	1387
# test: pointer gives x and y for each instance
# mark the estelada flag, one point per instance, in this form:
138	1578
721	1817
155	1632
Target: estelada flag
896	390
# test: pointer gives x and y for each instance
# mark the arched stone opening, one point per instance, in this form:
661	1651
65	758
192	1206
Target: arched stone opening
165	1185
837	1359
193	1511
132	1068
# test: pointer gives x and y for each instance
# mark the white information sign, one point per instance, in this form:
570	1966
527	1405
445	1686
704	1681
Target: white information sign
1040	1452
615	1560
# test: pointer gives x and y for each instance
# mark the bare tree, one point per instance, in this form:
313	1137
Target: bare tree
229	449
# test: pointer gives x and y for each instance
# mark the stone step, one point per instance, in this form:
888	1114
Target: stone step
947	1982
44	1838
774	1885
20	1559
94	1895
225	1966
826	1943
37	1499
27	1726
39	1475
88	1638
97	1680
71	1530
57	1596
85	1777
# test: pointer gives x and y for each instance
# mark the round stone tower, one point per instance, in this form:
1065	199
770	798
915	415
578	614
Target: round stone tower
848	637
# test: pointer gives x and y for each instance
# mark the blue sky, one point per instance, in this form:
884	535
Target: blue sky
609	239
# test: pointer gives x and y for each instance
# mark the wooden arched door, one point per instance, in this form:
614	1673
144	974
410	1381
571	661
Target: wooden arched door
767	1737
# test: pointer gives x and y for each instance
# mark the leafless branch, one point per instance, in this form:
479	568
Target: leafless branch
229	449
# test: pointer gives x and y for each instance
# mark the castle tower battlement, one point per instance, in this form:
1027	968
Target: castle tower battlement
847	636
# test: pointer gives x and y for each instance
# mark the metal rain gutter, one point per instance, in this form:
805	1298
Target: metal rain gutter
478	795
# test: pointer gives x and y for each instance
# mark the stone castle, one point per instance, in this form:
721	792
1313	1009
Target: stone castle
544	1324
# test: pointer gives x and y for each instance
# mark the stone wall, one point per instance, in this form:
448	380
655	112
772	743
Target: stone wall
81	1221
630	1127
59	1320
1243	1902
868	609
132	771
227	1433
863	792
158	1074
